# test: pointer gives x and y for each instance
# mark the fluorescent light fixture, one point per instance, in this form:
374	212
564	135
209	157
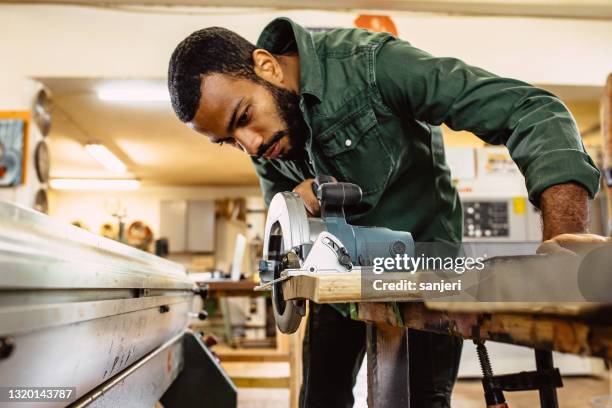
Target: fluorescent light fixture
134	94
94	184
105	157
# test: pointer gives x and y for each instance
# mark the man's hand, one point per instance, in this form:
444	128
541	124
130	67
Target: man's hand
565	217
304	189
571	243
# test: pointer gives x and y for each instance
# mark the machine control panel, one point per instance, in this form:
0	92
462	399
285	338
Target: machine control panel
486	219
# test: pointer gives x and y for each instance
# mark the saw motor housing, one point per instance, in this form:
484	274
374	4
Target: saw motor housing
296	244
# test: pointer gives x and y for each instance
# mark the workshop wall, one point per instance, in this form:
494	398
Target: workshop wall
91	207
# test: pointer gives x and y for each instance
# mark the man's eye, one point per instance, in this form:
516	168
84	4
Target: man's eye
230	141
244	118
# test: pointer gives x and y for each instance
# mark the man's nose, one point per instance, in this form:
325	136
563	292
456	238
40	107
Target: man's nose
248	142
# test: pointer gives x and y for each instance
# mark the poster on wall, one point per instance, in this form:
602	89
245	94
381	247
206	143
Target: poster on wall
377	23
13	147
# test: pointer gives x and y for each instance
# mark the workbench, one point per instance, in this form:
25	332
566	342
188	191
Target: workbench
583	328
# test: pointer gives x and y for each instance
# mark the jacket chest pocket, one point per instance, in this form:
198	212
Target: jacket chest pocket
354	148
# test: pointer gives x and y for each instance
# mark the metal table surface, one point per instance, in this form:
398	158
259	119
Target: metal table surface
76	309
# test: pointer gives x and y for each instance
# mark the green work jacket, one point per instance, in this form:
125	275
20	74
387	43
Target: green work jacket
374	104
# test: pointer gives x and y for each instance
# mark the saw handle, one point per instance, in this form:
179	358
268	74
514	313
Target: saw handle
321	179
331	192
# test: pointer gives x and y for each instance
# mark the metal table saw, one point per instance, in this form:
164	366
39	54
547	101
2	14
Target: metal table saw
104	320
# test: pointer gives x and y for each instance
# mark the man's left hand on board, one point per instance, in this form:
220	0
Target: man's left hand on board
571	244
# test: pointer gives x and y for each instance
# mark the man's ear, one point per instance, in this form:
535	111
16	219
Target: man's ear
267	66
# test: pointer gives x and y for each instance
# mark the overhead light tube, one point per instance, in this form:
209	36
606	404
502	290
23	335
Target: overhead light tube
106	158
140	94
94	184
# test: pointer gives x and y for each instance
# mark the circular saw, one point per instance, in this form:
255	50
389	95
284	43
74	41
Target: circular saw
295	244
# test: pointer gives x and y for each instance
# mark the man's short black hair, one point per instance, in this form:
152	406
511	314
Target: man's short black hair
207	51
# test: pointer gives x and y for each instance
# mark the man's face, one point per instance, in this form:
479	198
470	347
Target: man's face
256	117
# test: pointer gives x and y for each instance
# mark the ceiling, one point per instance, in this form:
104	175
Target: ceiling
595	9
156	147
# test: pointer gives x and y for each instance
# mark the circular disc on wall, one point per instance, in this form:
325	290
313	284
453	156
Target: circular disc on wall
42	161
40	201
42	111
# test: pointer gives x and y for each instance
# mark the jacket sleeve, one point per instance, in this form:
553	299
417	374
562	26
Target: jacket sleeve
271	179
535	125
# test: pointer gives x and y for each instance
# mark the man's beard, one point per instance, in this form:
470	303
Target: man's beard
296	129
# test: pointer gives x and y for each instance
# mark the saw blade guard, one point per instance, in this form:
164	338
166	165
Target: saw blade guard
287	227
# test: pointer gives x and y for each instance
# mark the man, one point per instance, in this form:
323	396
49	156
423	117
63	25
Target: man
365	108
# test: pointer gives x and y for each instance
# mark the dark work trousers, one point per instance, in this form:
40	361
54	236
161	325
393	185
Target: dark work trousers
334	347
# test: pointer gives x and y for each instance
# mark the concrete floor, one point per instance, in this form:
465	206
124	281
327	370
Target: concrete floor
578	392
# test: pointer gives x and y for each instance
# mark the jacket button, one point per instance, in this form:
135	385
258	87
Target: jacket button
348	142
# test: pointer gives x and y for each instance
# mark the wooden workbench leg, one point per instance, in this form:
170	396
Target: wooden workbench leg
388	376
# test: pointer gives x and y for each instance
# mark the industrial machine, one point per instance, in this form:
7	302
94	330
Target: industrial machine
494	199
493	195
105	322
295	244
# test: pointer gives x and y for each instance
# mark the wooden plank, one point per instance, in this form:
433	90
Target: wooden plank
346	287
258	382
548	308
579	328
563	334
342	288
324	288
229	354
258	375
